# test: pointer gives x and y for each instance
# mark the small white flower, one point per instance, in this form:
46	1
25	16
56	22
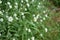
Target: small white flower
29	30
16	6
8	3
0	1
23	16
41	34
1	19
22	13
25	9
16	3
32	38
22	1
26	0
33	15
39	3
10	6
46	29
44	18
26	29
16	18
35	19
28	38
0	11
28	4
13	38
41	20
15	14
37	16
10	19
46	15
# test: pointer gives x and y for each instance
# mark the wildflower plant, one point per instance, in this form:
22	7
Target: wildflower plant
27	20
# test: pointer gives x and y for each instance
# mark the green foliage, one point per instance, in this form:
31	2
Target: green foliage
56	3
28	20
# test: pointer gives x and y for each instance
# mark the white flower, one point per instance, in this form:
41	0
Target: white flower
46	15
15	14
10	19
22	13
46	29
0	1
37	16
23	16
22	1
32	38
26	0
29	30
41	20
16	6
13	38
10	6
16	18
25	9
8	3
35	19
26	29
33	15
28	39
16	3
44	18
39	3
1	19
27	4
41	34
0	11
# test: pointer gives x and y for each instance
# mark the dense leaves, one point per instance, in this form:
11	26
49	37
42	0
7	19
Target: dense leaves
56	2
28	20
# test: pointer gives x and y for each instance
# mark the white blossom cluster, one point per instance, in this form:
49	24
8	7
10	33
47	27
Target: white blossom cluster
29	30
10	19
35	16
10	6
32	38
15	15
16	5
